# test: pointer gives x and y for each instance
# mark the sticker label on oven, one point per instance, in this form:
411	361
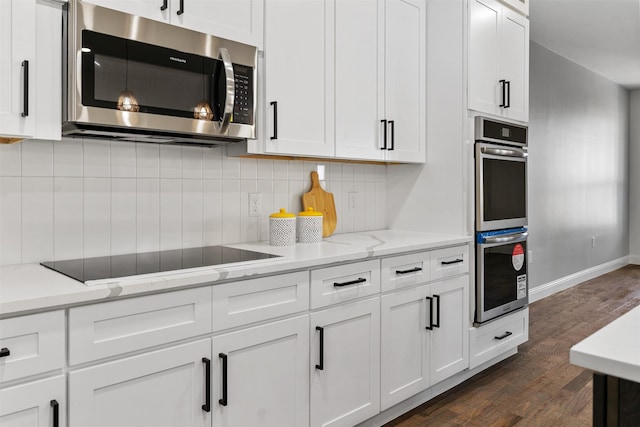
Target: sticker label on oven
517	257
522	286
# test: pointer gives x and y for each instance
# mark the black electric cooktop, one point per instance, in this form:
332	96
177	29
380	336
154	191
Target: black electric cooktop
107	267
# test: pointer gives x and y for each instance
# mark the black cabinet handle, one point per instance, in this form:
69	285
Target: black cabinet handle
181	10
393	134
413	270
430	327
164	5
508	103
503	83
56	412
384	134
275	119
223	401
352	282
503	336
320	364
207	385
455	261
25	88
4	352
437	324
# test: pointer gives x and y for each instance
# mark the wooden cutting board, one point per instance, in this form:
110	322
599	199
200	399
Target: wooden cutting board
321	201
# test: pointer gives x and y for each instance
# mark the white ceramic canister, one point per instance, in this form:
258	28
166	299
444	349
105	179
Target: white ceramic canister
309	226
282	228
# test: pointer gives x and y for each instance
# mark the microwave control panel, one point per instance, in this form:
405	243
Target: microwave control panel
243	108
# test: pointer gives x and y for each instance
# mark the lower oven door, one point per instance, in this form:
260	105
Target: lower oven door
501	280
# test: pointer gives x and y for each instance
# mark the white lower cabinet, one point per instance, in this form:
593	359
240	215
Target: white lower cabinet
345	363
34	404
423	337
159	388
260	375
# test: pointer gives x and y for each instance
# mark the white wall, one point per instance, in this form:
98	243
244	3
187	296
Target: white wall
634	186
75	198
578	168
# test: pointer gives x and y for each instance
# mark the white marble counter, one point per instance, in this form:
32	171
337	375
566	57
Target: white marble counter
31	287
613	350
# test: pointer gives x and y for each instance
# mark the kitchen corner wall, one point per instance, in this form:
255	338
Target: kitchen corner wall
578	168
634	178
84	198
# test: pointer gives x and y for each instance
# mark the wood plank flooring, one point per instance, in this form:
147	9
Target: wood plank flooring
538	386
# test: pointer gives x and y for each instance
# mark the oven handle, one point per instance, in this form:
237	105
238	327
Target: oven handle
505	239
503	152
230	90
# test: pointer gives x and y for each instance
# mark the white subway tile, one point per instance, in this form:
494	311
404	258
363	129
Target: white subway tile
212	211
369	202
170	214
307	168
97	158
37	219
147	160
359	172
381	205
192	213
280	196
68	157
295	170
37	158
335	188
231	168
123	216
280	169
10	159
192	162
148	215
68	218
333	171
248	169
348	213
170	161
296	189
212	162
10	220
265	170
231	211
97	217
248	224
265	188
359	223
123	159
347	172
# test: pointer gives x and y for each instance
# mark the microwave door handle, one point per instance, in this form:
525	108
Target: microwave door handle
230	90
506	239
505	152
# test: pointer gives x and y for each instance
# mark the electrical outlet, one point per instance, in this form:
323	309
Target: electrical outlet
255	204
353	201
593	241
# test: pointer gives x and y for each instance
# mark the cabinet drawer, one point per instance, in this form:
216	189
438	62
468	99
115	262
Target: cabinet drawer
493	339
449	262
334	285
404	270
111	328
249	301
34	344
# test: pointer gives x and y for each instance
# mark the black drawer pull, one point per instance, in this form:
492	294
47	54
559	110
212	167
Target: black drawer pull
430	327
320	365
392	123
164	5
56	413
352	282
207	385
384	134
25	88
181	10
413	270
4	352
455	261
223	401
275	119
503	336
437	324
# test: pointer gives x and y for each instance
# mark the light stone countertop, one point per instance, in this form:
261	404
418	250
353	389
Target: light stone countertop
613	350
27	288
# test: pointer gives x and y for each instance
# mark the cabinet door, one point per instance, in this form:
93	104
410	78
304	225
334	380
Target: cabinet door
484	86
450	339
405	80
17	68
345	364
404	345
299	77
151	9
267	375
359	79
35	404
514	63
160	388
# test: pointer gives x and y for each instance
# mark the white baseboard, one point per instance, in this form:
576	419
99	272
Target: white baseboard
634	259
548	289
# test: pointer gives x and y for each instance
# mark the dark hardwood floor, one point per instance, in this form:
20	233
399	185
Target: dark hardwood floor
538	386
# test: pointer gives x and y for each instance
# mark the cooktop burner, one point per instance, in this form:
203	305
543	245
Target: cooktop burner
106	267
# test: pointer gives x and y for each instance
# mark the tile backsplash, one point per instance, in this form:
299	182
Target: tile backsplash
82	198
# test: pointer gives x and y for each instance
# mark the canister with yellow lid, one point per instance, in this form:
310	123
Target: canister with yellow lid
309	227
282	228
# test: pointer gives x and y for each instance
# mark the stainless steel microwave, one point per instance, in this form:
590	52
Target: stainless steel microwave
132	78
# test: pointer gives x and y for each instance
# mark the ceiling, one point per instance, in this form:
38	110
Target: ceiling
601	35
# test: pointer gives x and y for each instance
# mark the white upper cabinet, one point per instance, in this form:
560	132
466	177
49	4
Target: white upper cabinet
521	6
498	60
238	20
380	80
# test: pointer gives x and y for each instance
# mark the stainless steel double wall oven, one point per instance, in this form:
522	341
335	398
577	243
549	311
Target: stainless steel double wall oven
501	218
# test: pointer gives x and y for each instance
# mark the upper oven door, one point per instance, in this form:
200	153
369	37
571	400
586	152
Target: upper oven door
501	187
